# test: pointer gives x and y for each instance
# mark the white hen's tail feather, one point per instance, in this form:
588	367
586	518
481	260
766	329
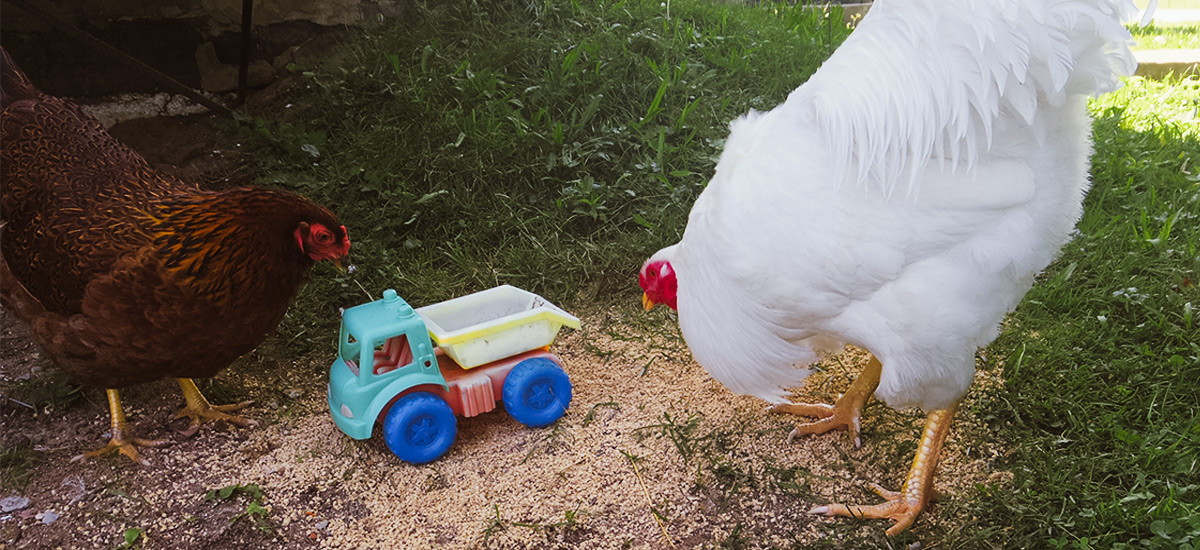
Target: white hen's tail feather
928	81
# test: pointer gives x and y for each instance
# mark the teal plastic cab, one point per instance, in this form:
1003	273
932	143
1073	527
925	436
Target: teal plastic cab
358	389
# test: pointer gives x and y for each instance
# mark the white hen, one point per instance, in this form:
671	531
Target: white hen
902	200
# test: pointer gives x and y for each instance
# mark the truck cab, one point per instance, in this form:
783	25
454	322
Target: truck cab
383	343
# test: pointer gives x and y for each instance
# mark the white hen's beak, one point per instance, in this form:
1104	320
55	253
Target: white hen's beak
647	302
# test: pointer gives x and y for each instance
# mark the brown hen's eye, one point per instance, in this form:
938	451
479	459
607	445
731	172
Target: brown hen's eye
324	237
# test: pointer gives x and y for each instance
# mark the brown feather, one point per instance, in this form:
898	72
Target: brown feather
125	274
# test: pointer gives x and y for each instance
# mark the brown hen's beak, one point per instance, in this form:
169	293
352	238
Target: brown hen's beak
342	263
647	302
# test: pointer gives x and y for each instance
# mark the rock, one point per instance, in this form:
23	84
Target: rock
1157	64
134	106
13	503
49	517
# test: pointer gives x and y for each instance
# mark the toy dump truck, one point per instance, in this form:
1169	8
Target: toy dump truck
416	369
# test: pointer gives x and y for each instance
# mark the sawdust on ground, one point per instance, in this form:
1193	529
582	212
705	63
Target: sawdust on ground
653	453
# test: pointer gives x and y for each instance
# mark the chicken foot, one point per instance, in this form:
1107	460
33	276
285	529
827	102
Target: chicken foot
903	506
845	414
120	441
200	410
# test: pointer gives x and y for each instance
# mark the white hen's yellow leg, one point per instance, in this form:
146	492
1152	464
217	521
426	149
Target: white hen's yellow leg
121	441
845	414
200	410
903	507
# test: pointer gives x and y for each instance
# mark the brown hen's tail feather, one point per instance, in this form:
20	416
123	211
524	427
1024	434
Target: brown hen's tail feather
14	85
15	298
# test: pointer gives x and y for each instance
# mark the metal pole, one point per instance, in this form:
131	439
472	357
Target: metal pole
247	48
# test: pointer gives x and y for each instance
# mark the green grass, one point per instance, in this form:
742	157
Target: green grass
1166	37
255	510
48	391
554	145
17	459
545	144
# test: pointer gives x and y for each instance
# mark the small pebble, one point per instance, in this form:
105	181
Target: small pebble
13	503
49	517
322	524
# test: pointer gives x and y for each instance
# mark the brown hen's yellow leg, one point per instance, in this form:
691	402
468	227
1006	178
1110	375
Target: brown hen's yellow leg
200	410
845	414
120	440
903	507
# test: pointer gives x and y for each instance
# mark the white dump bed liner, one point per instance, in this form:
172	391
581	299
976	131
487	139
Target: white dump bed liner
493	324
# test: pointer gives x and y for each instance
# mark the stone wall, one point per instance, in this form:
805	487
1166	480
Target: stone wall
213	16
196	42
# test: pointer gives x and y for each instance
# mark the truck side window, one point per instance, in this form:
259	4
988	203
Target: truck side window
394	353
349	350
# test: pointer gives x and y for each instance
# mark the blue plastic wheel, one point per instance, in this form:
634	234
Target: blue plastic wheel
420	427
537	392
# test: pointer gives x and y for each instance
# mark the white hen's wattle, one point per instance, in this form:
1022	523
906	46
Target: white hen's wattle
903	199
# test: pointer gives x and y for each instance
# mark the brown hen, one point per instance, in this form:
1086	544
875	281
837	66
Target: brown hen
127	275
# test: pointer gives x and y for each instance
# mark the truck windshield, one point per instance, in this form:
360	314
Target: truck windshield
385	355
392	354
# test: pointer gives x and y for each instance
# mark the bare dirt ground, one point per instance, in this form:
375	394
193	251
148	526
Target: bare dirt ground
652	454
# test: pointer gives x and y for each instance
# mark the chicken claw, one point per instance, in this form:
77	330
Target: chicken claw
897	508
124	445
121	441
904	506
200	410
845	414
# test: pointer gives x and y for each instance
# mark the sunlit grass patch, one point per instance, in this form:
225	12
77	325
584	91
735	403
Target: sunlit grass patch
1162	37
1102	357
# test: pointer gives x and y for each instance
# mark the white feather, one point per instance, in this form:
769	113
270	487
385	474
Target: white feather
924	76
800	243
